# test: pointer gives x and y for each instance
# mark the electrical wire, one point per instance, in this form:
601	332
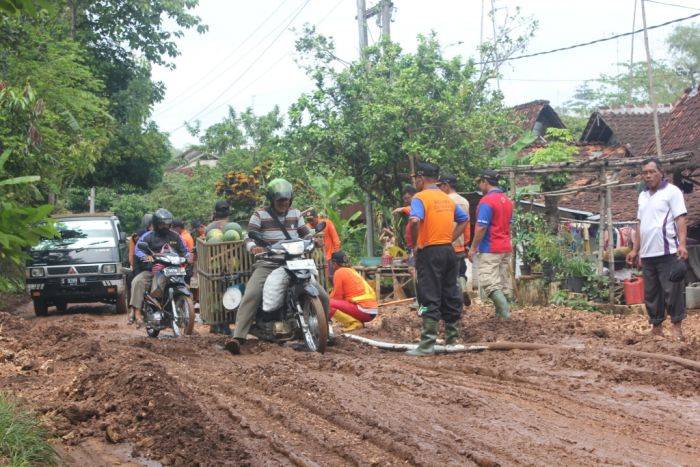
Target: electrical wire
242	74
673	4
193	89
583	44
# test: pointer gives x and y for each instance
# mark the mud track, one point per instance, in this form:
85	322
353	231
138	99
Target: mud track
189	402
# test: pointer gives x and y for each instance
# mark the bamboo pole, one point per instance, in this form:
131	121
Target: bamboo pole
603	214
611	243
587	166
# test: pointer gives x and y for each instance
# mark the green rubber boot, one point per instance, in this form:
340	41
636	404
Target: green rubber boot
428	336
451	333
501	303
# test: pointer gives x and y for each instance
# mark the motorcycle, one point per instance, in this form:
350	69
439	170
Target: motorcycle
172	307
291	308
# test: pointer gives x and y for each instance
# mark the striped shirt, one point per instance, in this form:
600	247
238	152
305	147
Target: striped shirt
261	221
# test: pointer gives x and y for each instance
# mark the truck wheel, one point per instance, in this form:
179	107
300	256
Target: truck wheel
40	308
122	306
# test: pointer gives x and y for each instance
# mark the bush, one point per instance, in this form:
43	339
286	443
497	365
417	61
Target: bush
22	442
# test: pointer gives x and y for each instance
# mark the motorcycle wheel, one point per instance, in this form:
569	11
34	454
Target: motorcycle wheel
152	332
317	336
186	314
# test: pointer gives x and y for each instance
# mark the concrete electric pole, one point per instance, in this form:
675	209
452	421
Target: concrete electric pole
383	9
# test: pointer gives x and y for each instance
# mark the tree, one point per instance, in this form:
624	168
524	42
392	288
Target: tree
684	45
369	119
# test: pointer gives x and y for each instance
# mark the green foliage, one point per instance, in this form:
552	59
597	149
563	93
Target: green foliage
130	209
526	224
23	442
332	192
670	77
575	301
510	155
560	148
365	120
548	249
21	226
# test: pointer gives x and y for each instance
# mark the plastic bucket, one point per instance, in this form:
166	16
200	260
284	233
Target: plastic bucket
634	291
692	295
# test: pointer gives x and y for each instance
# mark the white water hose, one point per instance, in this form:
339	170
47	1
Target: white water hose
505	345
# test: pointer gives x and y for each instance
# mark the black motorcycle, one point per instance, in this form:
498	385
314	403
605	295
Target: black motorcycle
297	313
171	305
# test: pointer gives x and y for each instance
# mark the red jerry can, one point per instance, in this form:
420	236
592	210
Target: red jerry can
634	291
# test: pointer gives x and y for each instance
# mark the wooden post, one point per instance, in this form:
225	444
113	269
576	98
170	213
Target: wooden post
611	244
514	261
601	224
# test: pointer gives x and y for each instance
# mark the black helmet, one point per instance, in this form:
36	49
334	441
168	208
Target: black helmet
147	220
162	219
279	188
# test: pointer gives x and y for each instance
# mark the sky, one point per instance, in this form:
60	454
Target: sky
246	59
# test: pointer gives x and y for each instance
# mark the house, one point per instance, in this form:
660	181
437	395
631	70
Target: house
630	126
537	116
191	158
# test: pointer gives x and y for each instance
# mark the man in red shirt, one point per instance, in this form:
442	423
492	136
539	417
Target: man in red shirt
491	243
436	221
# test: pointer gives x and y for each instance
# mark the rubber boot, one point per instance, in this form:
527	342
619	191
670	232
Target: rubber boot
451	333
428	337
501	303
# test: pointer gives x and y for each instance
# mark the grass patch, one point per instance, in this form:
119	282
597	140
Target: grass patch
22	441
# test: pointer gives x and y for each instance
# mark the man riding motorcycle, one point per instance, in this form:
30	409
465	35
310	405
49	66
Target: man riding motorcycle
157	239
278	222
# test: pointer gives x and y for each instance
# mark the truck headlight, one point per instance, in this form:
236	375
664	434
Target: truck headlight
109	269
36	272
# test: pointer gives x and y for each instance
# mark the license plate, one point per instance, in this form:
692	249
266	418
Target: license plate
297	264
71	281
174	272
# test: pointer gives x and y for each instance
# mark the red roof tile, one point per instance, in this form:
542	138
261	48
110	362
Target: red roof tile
682	130
632	126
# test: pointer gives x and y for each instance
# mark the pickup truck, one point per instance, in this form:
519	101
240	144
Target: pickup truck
84	264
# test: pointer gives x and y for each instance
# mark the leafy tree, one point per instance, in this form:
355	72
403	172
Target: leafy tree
684	44
368	119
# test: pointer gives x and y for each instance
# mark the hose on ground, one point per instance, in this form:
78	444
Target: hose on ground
506	345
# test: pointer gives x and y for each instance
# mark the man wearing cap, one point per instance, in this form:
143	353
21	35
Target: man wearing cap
353	301
448	184
221	216
492	244
661	244
433	217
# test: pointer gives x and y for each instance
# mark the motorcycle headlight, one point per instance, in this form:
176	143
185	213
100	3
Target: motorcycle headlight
36	272
294	248
109	269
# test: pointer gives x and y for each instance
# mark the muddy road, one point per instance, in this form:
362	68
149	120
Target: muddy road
96	381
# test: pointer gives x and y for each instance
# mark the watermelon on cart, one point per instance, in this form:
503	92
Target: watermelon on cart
231	236
233	226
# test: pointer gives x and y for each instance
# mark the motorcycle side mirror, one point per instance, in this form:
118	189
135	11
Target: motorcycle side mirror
320	226
257	237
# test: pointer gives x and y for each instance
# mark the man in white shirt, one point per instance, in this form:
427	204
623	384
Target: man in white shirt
660	244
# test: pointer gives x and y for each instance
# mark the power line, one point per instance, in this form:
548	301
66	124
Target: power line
544	80
605	39
193	89
238	78
673	4
273	65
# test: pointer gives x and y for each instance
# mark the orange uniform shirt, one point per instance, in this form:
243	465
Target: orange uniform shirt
437	214
331	240
187	240
349	285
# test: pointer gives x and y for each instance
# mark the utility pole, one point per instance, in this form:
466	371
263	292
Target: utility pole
383	10
650	74
631	73
92	200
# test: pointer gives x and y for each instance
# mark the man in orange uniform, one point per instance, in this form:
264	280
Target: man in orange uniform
436	221
353	301
331	240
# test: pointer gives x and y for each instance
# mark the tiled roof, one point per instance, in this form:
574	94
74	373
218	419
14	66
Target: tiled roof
632	126
529	112
682	130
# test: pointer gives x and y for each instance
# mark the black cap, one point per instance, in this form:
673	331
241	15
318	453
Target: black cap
490	176
426	169
448	179
221	206
340	257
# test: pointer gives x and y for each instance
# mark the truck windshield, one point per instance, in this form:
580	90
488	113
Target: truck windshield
80	234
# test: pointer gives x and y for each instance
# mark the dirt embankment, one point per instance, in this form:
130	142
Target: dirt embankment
188	402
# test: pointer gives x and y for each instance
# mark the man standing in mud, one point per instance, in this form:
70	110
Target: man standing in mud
436	221
661	245
492	244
